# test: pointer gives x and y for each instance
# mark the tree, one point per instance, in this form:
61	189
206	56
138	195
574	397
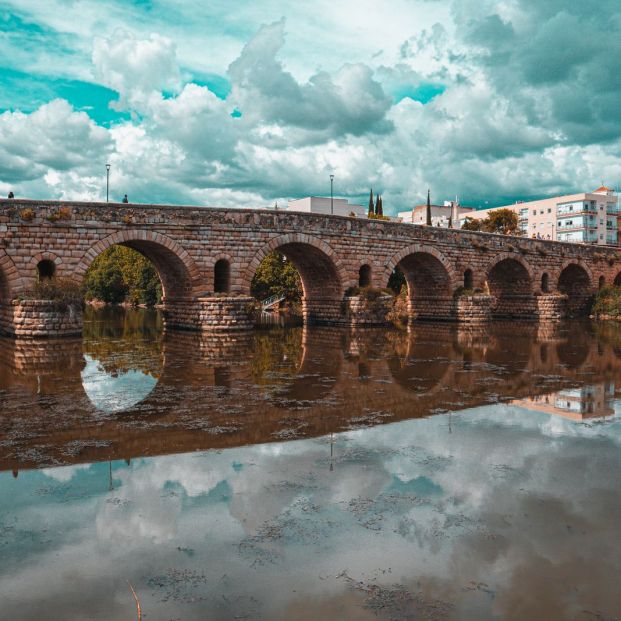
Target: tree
377	198
121	274
380	209
503	221
472	224
429	222
276	275
371	211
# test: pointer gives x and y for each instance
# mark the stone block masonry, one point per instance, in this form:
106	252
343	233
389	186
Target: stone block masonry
202	253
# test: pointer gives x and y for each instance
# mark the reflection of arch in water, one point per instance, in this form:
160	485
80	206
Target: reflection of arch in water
427	363
572	353
123	357
320	367
510	348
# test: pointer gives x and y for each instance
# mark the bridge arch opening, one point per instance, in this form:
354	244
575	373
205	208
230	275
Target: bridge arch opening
574	281
511	287
364	276
429	286
545	283
46	269
320	285
222	276
601	283
617	280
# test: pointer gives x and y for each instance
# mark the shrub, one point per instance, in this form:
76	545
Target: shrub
608	301
27	214
368	293
64	292
376	216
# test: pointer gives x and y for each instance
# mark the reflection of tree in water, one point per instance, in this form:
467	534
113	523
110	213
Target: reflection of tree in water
123	340
277	355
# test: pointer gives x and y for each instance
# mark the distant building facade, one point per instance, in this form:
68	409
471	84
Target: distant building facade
441	215
586	218
321	204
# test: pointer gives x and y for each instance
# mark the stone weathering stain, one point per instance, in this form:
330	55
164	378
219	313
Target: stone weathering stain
206	259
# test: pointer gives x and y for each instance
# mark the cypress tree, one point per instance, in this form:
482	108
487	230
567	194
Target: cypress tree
371	212
428	209
377	205
380	211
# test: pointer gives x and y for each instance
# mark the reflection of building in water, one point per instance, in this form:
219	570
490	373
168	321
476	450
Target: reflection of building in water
591	401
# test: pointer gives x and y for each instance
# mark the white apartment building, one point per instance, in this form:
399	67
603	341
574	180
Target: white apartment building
586	218
321	204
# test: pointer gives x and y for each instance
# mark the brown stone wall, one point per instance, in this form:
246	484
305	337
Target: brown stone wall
185	243
361	311
474	308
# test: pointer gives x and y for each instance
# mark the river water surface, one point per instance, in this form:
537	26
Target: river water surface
311	473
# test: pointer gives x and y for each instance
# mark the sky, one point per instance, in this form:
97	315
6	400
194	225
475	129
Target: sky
195	102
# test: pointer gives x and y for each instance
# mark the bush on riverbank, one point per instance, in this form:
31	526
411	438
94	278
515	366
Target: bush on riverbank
608	302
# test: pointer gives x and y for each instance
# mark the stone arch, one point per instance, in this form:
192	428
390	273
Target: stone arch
430	279
576	281
10	280
322	273
38	258
510	279
468	278
178	273
617	280
545	282
601	283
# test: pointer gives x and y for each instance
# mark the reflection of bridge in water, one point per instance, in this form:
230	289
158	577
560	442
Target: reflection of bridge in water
214	391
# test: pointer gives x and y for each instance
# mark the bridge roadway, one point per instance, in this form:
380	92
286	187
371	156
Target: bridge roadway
217	391
206	259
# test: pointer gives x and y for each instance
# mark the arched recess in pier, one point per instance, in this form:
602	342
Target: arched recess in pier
321	273
576	281
510	281
430	280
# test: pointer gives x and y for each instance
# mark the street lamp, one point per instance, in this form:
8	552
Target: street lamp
332	194
107	181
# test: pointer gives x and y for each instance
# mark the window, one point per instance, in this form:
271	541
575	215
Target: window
549	210
221	276
534	212
364	276
468	279
541	212
46	269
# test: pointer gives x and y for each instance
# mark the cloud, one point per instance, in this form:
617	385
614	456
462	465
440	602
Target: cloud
479	99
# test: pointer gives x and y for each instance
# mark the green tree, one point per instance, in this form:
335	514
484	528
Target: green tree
380	209
472	224
121	274
429	220
503	221
371	211
276	275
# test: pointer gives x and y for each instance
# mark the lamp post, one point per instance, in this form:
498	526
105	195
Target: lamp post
107	181
332	194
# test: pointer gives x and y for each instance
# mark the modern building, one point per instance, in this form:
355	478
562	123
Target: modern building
441	215
587	218
320	204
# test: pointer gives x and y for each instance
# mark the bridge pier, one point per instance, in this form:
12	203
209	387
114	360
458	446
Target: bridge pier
40	318
438	308
551	306
323	311
474	309
217	313
361	310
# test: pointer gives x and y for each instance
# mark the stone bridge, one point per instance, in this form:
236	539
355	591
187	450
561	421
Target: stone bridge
206	259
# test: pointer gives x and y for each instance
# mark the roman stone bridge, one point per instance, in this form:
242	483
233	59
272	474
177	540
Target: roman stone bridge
206	259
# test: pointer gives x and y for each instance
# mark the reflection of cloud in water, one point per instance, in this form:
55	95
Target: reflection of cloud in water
64	474
114	393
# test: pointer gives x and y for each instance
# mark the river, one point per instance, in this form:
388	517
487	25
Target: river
443	472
